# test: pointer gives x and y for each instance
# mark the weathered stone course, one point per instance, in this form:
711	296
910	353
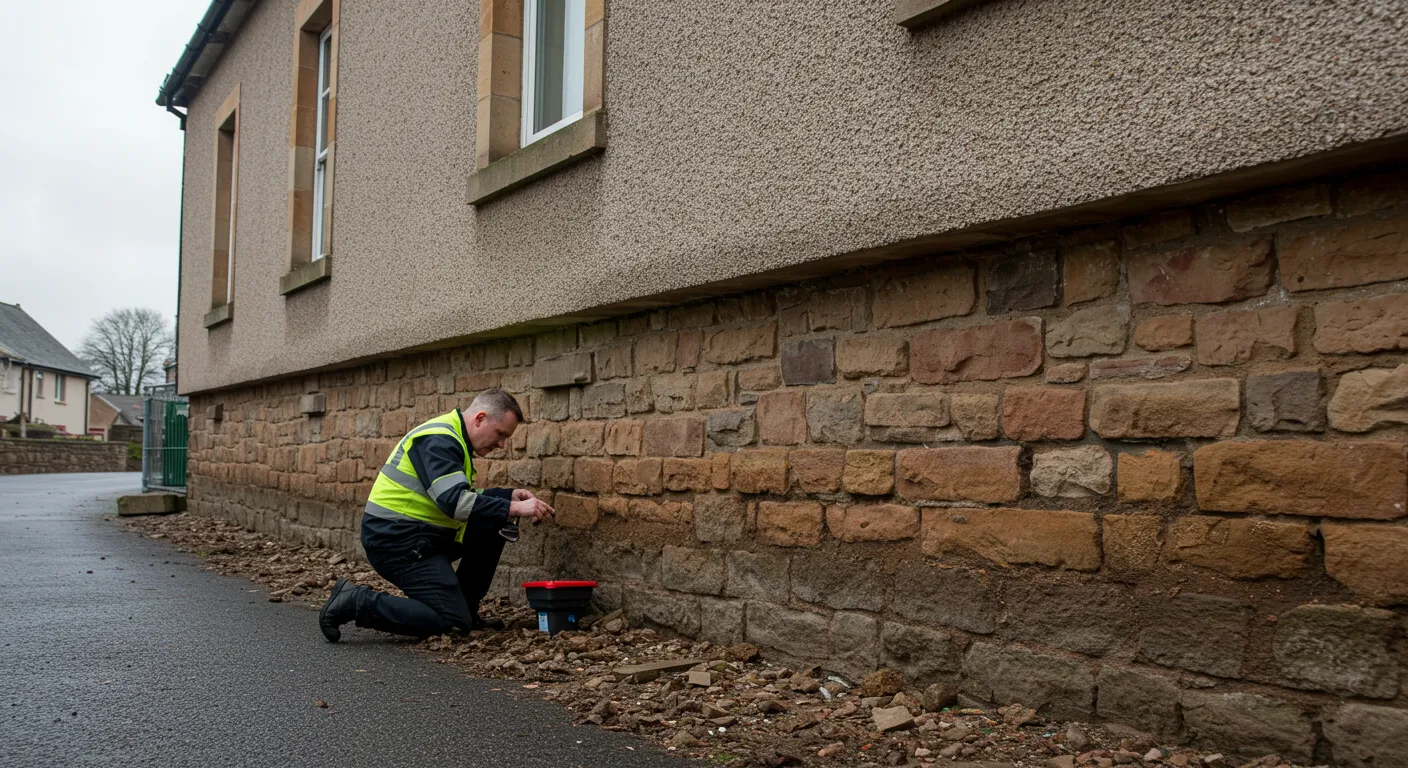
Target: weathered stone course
1356	480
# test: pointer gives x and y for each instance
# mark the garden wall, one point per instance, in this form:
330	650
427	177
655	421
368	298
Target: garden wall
24	457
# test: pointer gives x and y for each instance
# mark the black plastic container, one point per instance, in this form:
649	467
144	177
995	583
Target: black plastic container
560	604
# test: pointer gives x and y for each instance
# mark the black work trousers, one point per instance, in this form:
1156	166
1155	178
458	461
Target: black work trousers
439	597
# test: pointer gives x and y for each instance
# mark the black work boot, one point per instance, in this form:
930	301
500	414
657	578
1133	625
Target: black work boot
340	608
493	625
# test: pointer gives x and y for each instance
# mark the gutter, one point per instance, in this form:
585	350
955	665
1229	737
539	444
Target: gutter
205	30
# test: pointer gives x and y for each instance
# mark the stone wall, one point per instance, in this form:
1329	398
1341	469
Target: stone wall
24	457
1151	471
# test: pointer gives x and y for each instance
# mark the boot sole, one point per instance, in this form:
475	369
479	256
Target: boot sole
331	632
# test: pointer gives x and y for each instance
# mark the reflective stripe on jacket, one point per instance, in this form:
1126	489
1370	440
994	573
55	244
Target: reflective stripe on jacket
398	493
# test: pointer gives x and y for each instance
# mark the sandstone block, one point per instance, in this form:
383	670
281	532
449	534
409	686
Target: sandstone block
1366	736
835	416
1196	632
1371	192
1164	332
1370	559
921	655
1368	399
1195	408
692	316
759	379
732	428
782	418
1363	326
1091	331
1254	724
525	473
1043	413
1159	228
687	474
712	389
809	361
800	634
869	473
793	321
739	345
1357	480
952	597
719	518
1240	547
656	353
1147	702
1140	368
542	438
675	613
604	401
558	472
1278	205
638	396
1089	272
842	309
1208	274
759	576
594	475
623	437
1342	649
614	362
1131	542
667	512
674	437
1228	338
907	409
1022	281
1151	476
1065	373
960	474
1055	687
582	438
853	644
761	470
1288	402
721	621
1073	473
790	524
720	471
574	511
550	404
638	477
980	353
674	392
820	578
872	354
912	299
1040	612
817	470
700	571
1053	538
1356	253
872	522
975	415
563	371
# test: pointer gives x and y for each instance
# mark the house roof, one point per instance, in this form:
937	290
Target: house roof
128	407
213	34
25	341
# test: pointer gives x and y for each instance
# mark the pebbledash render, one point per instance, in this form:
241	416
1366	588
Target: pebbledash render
1057	350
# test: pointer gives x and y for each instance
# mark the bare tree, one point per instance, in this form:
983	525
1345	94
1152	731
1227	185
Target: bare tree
126	347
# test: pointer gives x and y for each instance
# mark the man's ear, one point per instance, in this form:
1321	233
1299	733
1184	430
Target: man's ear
480	418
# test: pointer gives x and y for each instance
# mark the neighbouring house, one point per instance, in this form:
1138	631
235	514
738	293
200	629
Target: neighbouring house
168	367
1058	350
42	384
116	417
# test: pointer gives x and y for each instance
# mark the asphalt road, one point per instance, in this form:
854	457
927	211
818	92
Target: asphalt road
117	650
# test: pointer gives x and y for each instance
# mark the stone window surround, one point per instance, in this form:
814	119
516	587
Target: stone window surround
223	214
312	18
501	164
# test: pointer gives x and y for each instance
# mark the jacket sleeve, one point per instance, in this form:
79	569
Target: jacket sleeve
439	462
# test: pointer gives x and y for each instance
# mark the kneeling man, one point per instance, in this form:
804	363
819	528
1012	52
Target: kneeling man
424	514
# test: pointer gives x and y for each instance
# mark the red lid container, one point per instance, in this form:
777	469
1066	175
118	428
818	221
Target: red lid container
558	584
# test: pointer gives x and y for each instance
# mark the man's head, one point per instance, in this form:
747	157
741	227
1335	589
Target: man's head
490	420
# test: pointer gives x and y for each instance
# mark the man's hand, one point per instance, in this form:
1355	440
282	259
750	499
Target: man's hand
531	507
522	494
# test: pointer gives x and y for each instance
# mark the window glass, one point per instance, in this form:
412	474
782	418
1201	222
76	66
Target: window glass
59	387
38	383
554	32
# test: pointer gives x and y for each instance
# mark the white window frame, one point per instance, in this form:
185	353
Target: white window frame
574	62
320	143
59	385
38	379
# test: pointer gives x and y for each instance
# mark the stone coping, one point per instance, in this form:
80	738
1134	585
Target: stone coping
304	275
568	145
913	14
221	314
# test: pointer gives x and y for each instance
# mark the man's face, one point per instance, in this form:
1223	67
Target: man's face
487	434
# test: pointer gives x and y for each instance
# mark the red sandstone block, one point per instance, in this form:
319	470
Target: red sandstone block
790	524
1302	477
1203	274
960	474
1008	537
979	353
1043	413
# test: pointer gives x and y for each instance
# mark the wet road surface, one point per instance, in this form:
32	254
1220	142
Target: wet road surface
116	650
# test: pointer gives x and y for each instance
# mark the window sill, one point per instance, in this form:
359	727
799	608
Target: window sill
913	14
565	146
305	275
221	314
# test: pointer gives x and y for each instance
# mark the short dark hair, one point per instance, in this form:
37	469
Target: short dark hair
496	403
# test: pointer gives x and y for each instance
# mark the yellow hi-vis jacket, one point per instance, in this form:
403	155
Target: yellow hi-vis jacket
398	493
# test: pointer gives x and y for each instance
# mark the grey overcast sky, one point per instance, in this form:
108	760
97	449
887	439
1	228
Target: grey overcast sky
90	167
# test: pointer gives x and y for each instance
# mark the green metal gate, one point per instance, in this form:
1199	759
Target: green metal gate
165	436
